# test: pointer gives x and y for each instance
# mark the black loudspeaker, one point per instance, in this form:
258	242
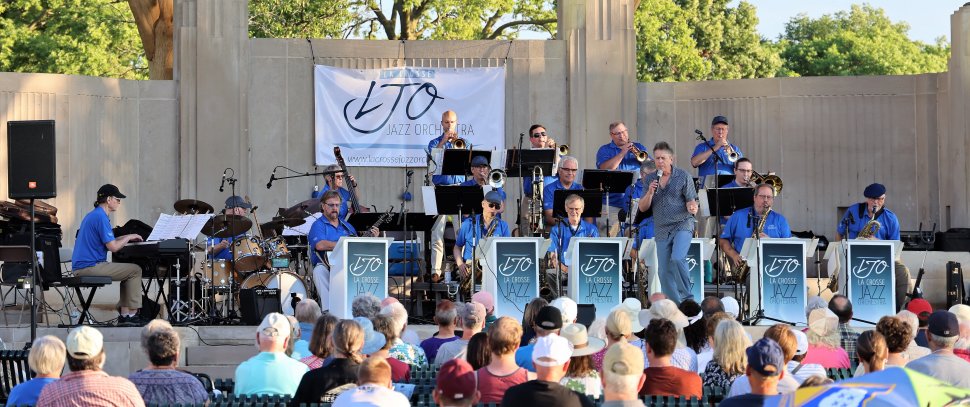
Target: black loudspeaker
255	303
30	160
585	314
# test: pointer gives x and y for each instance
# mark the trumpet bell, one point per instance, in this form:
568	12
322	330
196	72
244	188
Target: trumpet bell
496	178
459	144
564	149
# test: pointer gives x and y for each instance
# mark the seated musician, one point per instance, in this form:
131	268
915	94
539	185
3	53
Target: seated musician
480	173
568	167
336	181
743	222
478	227
574	227
94	239
885	226
743	169
323	237
218	246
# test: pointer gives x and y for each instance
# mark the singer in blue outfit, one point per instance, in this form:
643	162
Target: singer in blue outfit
742	223
673	197
703	157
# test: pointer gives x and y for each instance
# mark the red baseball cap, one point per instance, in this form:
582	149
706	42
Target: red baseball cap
921	308
456	380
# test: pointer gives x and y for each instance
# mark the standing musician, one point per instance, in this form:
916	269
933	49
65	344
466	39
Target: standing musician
323	237
235	205
635	191
673	197
743	222
743	170
703	159
475	228
537	139
575	227
90	258
449	133
336	181
874	210
617	155
568	167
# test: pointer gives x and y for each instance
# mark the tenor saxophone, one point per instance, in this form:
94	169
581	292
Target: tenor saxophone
743	268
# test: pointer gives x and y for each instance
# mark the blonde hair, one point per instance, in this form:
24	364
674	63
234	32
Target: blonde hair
47	355
730	345
348	339
374	370
504	336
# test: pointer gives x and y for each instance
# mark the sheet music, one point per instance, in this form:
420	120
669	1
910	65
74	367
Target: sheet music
178	226
303	229
430	205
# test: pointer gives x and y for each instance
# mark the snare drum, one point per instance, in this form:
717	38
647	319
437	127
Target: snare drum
291	284
249	254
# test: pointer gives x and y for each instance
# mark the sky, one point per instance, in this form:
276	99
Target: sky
927	19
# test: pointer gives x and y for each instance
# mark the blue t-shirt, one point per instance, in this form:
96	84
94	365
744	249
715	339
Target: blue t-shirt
468	233
888	222
733	184
26	393
444	179
224	254
549	194
269	373
322	229
629	163
93	234
527	184
739	227
707	167
523	357
564	232
344	201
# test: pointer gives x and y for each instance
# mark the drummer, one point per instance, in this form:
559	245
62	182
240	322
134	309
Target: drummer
218	246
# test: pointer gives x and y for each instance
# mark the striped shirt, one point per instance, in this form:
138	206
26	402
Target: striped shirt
90	388
670	203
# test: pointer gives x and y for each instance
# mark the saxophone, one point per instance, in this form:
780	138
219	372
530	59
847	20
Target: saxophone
466	284
743	268
868	231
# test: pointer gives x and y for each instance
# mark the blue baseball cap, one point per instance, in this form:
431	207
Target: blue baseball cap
719	120
874	190
766	357
480	161
493	196
236	201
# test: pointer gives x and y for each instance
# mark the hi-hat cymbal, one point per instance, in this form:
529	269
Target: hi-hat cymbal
226	226
192	206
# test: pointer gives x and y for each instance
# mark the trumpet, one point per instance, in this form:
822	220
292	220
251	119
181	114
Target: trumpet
732	156
641	155
459	143
496	178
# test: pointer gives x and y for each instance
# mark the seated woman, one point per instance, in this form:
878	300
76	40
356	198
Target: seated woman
323	385
46	359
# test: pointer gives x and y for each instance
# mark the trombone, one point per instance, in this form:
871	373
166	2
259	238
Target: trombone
769	179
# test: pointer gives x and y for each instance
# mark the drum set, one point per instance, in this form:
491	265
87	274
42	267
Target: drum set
264	260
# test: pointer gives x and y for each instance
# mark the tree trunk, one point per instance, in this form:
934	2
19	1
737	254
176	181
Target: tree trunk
154	19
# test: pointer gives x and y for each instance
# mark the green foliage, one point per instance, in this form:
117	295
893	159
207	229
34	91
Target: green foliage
861	41
83	37
453	19
299	18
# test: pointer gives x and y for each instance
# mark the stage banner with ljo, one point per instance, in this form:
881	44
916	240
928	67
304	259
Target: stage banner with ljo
511	273
783	279
386	117
595	270
872	287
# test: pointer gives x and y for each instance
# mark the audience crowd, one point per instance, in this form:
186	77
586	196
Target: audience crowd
546	359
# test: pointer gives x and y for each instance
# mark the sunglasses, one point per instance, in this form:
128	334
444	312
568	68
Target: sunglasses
494	205
537	134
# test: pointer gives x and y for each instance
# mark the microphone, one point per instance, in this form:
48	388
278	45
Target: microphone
272	177
410	173
700	135
521	137
222	185
660	173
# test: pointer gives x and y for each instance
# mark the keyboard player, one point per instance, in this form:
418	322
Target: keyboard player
94	239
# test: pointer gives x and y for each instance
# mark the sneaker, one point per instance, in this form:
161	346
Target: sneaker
132	321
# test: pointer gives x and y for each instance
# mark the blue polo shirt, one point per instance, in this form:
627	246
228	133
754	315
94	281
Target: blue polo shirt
645	232
444	179
629	163
468	233
564	232
707	167
733	184
738	227
269	373
224	254
93	234
888	223
549	193
527	184
322	229
344	201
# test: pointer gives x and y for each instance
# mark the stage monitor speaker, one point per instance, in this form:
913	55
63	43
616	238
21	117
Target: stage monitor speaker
255	303
30	160
585	314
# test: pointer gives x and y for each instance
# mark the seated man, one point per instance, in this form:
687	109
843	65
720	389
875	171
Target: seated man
476	228
942	364
270	371
765	368
456	385
374	387
87	384
95	239
446	317
219	246
162	382
568	168
743	170
323	237
663	378
743	222
561	234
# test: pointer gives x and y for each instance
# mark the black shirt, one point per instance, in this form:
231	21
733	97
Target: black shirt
317	382
543	393
744	400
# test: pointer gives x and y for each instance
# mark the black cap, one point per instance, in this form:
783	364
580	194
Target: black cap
107	190
236	201
549	318
719	120
944	324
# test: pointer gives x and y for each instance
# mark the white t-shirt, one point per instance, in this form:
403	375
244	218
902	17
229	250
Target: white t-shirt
741	385
807	370
371	395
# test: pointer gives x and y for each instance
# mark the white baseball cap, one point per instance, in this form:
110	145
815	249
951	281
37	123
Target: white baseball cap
553	347
84	342
568	308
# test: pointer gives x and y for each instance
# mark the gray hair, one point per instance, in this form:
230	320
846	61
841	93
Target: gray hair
621	384
308	311
47	355
941	342
568	158
163	347
365	305
155	325
398	314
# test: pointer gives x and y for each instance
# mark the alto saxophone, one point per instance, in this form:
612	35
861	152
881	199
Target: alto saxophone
743	268
868	231
476	270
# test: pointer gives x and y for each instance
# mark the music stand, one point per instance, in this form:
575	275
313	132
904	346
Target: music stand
728	200
724	179
543	158
610	182
459	162
593	201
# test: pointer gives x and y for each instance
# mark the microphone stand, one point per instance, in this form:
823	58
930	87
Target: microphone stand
717	204
759	314
561	251
230	313
518	157
404	220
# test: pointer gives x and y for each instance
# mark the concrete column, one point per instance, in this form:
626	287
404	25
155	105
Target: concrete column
601	66
954	165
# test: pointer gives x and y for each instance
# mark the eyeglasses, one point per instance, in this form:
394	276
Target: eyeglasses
743	170
332	205
618	132
574	209
494	205
569	169
538	134
766	196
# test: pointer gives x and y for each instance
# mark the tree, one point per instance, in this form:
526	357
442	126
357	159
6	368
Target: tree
453	19
701	40
299	18
83	37
862	41
154	19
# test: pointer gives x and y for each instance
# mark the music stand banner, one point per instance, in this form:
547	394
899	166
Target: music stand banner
872	287
386	117
516	277
360	267
695	267
594	276
783	279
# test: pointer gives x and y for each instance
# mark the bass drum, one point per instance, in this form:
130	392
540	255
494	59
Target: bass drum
291	284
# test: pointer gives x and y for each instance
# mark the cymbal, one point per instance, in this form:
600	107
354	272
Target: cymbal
288	222
226	226
302	209
192	206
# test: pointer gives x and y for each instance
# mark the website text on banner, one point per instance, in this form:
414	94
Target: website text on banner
386	117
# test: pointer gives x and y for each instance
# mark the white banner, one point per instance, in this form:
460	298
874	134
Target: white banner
387	117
